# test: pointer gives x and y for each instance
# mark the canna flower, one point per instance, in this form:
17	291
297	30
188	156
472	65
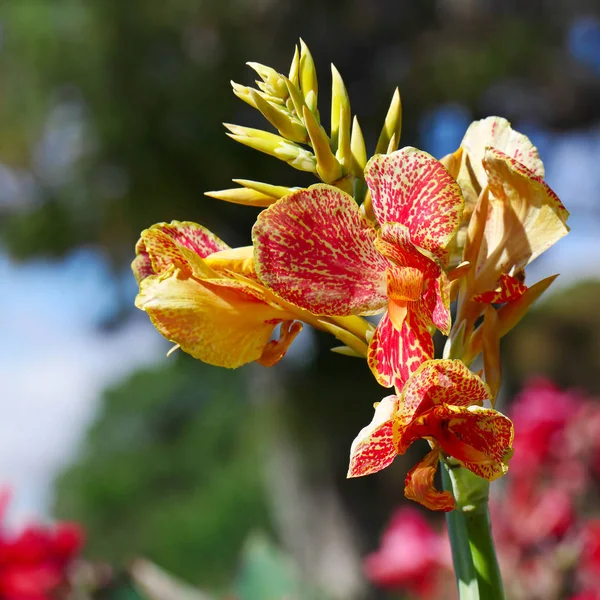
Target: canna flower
512	214
315	249
441	402
205	297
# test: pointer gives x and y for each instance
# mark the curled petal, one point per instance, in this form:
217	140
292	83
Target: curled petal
394	243
222	322
437	299
275	350
525	218
373	449
509	288
163	242
447	381
315	250
394	354
479	438
497	133
142	265
414	189
419	486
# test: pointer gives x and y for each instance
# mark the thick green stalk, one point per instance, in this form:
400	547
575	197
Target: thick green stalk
473	553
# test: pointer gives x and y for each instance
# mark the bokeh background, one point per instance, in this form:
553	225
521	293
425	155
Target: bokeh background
111	118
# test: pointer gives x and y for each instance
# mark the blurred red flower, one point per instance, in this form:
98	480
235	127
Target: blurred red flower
34	563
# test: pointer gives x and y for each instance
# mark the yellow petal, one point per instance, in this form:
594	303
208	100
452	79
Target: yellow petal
222	322
525	218
235	260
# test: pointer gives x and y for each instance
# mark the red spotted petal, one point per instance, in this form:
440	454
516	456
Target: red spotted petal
141	265
447	381
509	288
419	486
437	299
314	249
393	354
166	243
479	438
374	449
414	189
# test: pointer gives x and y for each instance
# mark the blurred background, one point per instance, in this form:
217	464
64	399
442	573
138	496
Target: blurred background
111	116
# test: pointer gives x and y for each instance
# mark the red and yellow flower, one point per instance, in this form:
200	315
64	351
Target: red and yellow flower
316	249
205	297
443	403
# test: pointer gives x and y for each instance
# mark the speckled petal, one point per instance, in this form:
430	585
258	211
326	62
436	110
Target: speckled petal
447	381
394	354
437	300
509	288
315	250
221	322
275	350
177	243
373	449
479	438
414	189
419	485
142	265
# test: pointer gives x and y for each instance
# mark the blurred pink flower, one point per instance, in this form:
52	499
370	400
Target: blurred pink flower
410	556
540	414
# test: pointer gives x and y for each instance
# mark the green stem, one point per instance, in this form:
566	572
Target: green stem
473	553
484	553
464	570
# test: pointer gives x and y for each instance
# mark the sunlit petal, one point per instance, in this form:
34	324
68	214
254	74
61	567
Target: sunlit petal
414	189
373	448
419	485
315	250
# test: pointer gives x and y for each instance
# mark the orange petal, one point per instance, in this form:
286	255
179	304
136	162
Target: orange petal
222	322
491	351
373	449
419	486
479	438
275	350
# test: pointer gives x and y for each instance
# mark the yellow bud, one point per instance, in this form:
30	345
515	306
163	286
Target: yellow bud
359	149
274	191
247	197
392	125
328	168
308	77
340	108
293	76
287	125
274	82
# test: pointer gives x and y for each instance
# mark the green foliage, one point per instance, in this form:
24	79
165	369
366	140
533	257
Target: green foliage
171	471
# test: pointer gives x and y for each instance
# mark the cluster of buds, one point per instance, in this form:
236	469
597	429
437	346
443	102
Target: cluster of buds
34	565
546	528
401	234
